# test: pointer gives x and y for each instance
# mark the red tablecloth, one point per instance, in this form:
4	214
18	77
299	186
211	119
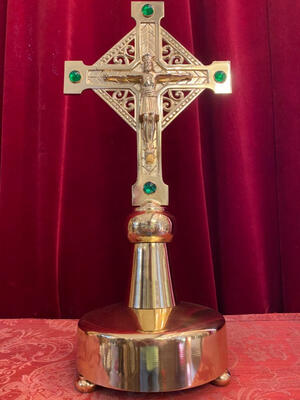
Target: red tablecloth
37	361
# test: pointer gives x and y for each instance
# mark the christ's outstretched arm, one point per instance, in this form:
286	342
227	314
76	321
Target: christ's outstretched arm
173	78
122	78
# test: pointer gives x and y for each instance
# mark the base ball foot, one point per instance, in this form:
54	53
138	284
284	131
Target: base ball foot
223	379
84	386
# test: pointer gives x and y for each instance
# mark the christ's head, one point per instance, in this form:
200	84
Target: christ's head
148	62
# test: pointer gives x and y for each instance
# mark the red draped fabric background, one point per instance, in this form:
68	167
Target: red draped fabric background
232	162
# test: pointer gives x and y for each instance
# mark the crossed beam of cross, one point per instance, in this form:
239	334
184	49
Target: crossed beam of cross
148	78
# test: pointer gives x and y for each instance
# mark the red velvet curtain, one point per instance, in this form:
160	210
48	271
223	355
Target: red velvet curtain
232	162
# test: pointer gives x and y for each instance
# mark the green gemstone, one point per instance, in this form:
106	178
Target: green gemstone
75	76
220	76
147	10
149	188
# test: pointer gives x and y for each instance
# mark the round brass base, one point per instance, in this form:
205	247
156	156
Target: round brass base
152	350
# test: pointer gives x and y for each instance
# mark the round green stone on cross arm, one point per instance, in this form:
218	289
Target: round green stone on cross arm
147	10
75	76
149	188
220	76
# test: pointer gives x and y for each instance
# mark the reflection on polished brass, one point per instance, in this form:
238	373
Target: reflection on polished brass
223	379
84	386
152	319
151	344
149	225
113	351
151	285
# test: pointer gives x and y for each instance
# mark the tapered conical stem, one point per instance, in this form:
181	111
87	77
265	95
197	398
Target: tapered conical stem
151	285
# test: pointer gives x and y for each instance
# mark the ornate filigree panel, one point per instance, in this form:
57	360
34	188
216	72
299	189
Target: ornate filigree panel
171	56
174	101
173	53
121	101
121	53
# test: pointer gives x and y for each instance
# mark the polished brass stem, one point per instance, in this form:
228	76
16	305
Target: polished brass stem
151	285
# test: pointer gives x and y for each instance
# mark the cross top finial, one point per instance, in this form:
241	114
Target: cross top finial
148	78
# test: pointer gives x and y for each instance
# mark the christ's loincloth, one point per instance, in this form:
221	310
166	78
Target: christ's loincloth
149	106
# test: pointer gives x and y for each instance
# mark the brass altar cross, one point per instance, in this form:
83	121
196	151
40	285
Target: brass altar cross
148	78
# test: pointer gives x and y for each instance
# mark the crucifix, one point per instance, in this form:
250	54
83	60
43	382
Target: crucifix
149	109
148	78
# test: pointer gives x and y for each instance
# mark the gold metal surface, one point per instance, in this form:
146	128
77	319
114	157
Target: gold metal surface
114	351
223	379
84	386
151	344
148	78
153	319
150	225
151	285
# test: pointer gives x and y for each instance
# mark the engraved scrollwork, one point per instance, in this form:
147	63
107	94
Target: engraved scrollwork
171	56
174	53
125	55
122	53
174	101
125	99
122	101
171	98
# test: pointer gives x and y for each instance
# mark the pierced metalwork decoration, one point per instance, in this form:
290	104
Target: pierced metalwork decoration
171	56
174	53
175	101
148	78
171	98
122	101
125	56
125	98
121	53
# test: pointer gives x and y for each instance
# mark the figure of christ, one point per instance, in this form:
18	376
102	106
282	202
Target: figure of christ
149	110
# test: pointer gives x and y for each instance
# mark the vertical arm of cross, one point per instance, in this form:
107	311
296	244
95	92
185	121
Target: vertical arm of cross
149	185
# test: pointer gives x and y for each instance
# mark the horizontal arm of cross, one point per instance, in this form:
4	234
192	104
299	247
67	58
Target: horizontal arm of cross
204	77
93	77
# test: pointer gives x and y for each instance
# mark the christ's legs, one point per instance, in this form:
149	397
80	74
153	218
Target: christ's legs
151	128
148	127
148	123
